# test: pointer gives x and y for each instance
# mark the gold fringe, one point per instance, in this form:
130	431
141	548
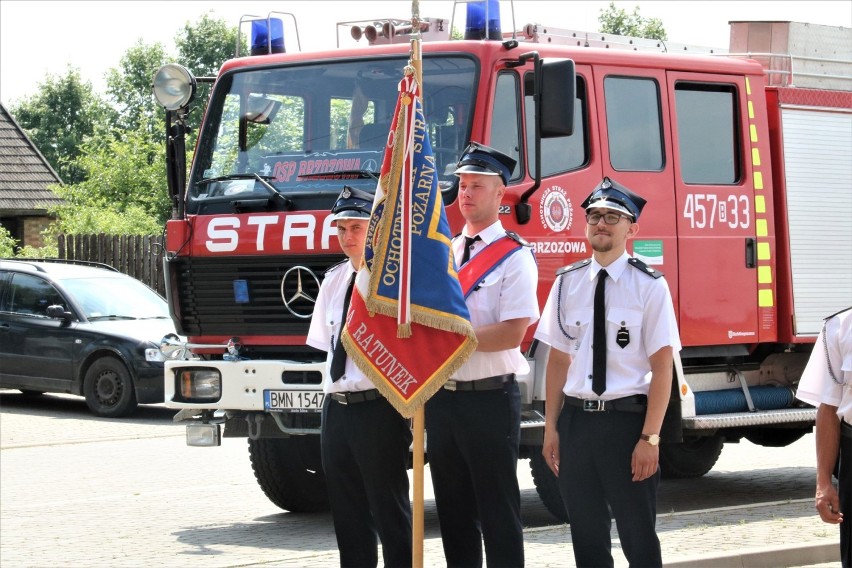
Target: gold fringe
408	409
403	331
423	317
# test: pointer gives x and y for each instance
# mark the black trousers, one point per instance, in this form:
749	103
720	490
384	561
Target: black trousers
365	451
472	446
844	489
594	476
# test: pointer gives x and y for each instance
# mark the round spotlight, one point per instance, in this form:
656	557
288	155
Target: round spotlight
174	86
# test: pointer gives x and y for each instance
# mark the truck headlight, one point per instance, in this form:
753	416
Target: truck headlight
199	384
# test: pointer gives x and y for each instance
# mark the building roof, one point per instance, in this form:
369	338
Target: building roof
25	174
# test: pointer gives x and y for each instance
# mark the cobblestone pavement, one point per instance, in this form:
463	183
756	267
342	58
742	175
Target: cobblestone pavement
79	491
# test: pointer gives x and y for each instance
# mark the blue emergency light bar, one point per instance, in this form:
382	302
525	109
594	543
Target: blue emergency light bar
264	42
483	20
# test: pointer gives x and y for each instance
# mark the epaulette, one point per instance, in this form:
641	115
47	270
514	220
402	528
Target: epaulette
838	313
335	266
636	263
575	266
518	238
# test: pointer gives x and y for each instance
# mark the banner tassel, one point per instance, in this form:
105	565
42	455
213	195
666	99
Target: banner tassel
403	331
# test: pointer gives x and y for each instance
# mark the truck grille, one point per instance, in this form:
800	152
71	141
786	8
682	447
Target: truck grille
240	296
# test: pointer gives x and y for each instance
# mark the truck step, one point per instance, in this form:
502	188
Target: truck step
757	418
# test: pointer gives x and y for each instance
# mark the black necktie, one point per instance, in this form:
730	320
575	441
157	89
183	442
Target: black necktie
468	242
599	337
338	360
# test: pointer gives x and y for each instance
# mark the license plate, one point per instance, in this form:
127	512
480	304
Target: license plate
300	401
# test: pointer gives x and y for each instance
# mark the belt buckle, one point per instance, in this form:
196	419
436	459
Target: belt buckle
340	397
450	385
594	405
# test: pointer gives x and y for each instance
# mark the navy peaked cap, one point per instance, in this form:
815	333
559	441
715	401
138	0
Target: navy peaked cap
352	204
480	159
609	194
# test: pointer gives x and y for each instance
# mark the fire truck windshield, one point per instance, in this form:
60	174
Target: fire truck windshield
304	129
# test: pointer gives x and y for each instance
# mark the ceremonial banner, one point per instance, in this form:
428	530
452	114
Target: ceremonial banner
408	327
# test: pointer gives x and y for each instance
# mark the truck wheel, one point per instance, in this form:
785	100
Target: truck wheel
289	470
109	389
692	458
774	437
547	486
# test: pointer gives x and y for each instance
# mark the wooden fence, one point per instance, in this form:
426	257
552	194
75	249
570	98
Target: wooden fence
137	256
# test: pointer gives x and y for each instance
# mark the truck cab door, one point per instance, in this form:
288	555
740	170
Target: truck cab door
635	150
723	229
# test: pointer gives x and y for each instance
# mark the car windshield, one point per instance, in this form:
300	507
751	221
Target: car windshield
287	136
116	298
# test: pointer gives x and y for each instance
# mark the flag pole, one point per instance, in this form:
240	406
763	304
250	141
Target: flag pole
419	420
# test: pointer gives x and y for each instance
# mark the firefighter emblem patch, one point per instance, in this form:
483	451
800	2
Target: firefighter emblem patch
555	211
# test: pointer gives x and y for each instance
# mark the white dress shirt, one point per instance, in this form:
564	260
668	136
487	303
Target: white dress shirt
634	301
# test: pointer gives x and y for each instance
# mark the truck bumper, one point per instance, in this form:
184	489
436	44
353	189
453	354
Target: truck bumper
241	384
233	392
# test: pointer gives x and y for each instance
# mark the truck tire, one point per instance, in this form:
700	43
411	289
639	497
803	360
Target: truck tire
691	458
774	437
547	486
289	470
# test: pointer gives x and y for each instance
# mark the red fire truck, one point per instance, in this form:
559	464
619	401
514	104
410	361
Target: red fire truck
745	159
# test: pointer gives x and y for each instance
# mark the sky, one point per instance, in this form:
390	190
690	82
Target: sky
91	36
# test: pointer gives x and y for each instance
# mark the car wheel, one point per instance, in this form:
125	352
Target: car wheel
109	389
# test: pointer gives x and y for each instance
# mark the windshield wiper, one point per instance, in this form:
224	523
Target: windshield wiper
263	180
231	177
112	317
359	174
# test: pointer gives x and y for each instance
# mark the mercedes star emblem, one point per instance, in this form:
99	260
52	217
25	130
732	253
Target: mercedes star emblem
293	288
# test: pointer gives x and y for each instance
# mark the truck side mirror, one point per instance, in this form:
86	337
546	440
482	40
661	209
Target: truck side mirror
558	84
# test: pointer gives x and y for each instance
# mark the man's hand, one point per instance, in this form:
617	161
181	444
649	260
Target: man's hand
550	450
644	461
828	504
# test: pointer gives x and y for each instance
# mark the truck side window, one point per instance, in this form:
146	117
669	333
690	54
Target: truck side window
563	153
707	133
505	118
634	127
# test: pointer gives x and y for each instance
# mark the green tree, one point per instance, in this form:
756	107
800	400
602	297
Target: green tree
129	87
202	48
616	21
110	152
7	243
60	117
124	175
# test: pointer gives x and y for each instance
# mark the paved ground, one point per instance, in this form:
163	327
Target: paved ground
76	491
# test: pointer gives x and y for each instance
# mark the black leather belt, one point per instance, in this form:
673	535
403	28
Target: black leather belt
356	396
845	429
635	403
486	384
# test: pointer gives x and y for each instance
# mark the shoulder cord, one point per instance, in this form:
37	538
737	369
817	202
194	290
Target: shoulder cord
559	309
827	358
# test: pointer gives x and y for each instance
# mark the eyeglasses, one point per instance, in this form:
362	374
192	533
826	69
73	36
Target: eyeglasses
609	218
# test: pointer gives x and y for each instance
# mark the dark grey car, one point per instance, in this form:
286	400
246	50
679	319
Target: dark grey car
82	329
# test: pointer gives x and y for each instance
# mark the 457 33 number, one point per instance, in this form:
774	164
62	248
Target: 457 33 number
708	211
